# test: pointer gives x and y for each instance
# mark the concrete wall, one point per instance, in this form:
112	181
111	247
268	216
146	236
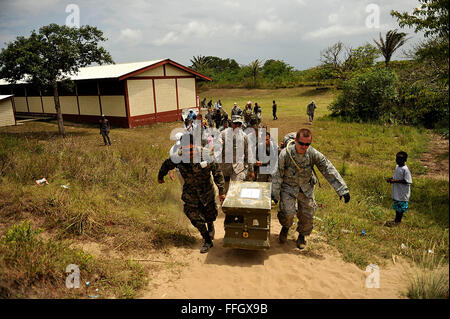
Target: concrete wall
6	113
89	105
140	97
21	104
35	104
159	71
166	97
186	93
174	71
49	104
113	105
68	104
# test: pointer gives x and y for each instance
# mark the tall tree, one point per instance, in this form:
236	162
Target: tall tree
276	68
200	63
255	67
432	18
341	60
52	55
394	40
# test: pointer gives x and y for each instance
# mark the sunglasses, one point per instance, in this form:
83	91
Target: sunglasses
303	144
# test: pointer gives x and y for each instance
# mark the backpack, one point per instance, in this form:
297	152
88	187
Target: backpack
288	139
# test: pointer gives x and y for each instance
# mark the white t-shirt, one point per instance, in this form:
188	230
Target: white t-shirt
402	192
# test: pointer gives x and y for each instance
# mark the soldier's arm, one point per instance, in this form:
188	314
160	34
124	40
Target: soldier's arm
330	173
218	178
277	178
246	155
166	166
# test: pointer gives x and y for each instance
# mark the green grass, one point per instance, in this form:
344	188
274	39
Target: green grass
33	267
114	198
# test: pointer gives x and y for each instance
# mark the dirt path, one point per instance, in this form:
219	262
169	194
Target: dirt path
435	161
279	272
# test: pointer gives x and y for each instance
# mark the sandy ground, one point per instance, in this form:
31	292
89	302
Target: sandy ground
283	271
437	169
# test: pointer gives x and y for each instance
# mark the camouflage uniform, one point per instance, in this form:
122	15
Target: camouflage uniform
266	177
238	169
210	119
247	113
290	185
310	110
198	191
236	111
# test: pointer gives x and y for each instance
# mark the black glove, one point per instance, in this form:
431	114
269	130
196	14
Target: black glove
346	197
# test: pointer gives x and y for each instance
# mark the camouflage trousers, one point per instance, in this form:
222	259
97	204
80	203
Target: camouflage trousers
200	214
264	178
230	175
304	210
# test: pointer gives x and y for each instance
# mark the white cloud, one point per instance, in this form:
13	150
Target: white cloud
333	18
341	30
183	33
267	26
236	28
232	4
242	30
130	36
169	38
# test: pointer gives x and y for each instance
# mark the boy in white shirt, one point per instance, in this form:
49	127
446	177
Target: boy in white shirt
401	188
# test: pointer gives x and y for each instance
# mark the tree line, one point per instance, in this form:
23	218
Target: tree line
414	91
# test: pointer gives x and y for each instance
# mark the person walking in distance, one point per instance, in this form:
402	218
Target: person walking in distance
105	129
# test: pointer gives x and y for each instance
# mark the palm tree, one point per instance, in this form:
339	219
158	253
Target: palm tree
394	40
255	67
200	63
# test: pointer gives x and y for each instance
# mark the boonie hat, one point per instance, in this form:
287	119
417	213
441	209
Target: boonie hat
236	119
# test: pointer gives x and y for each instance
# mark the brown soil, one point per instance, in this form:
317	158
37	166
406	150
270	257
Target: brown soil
282	271
434	161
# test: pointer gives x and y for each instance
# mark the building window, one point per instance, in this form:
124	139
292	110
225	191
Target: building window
112	87
87	87
19	90
5	89
66	88
32	90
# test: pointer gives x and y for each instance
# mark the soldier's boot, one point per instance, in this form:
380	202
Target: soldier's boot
211	230
283	235
207	244
301	242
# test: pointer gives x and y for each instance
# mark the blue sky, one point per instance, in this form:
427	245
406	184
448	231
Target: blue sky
295	31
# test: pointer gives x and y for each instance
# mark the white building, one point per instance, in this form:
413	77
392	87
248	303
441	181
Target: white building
7	110
129	94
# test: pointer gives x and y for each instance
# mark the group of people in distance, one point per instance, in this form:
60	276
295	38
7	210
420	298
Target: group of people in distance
293	177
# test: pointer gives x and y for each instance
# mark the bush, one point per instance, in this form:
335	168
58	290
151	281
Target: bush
366	96
429	284
423	104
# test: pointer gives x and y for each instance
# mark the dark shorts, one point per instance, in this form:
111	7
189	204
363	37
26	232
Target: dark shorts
399	206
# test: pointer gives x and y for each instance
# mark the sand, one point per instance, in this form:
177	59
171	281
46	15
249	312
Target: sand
283	271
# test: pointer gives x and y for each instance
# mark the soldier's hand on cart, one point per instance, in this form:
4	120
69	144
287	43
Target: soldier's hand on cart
161	181
275	200
258	163
346	197
171	175
222	198
252	176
